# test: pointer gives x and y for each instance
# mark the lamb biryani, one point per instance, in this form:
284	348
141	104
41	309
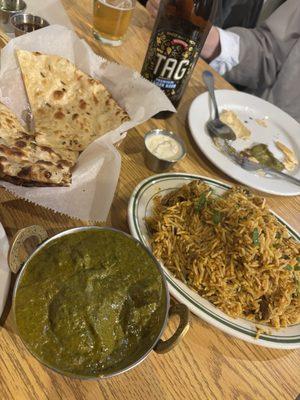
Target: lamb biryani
231	250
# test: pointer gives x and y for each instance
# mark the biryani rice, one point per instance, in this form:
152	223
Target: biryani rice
231	250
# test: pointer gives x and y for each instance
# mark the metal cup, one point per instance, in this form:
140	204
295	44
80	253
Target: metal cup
157	164
8	8
19	21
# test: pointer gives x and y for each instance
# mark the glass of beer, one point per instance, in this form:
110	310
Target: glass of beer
111	20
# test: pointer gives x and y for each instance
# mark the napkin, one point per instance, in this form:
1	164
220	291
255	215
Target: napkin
96	175
4	269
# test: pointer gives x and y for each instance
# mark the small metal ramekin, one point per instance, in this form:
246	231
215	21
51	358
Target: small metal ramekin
155	163
8	8
20	19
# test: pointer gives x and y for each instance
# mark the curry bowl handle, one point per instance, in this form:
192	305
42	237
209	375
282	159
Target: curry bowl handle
163	346
14	260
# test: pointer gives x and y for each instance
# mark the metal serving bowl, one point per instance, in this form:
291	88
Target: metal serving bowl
166	310
8	8
25	23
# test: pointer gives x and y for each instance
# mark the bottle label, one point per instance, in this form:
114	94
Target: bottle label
169	62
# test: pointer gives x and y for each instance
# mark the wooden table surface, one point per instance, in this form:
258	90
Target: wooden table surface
208	364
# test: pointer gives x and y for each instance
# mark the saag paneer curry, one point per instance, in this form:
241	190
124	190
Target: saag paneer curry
90	303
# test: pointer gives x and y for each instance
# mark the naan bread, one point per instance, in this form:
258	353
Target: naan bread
70	108
9	124
24	162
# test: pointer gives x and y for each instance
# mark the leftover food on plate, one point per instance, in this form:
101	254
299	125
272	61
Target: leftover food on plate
264	156
262	122
232	120
90	301
290	160
231	250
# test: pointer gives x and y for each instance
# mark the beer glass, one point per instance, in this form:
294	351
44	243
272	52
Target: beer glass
111	20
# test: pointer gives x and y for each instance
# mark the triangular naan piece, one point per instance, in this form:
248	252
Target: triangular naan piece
70	108
23	162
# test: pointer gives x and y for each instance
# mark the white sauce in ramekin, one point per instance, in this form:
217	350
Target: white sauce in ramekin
164	147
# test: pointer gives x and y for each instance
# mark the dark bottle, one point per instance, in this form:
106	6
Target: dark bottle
179	33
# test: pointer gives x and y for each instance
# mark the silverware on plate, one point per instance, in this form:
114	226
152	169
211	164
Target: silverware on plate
244	162
216	126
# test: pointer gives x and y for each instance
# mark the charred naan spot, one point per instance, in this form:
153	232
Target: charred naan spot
49	67
43	75
47	149
14	151
82	104
59	115
96	101
88	113
58	94
63	163
75	116
8	120
37	53
91	81
48	105
63	89
47	174
44	162
25	171
75	141
23	135
20	143
62	82
107	102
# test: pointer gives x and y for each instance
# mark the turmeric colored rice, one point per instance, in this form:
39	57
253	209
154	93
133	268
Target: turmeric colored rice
231	250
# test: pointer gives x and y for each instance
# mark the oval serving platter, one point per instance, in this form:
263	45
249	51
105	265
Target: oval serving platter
140	207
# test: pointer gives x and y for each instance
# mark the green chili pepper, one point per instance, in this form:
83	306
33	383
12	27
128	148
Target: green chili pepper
255	237
200	203
217	217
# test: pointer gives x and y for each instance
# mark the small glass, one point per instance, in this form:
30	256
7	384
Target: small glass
111	20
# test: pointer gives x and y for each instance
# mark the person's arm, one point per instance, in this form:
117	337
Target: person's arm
263	50
152	6
221	50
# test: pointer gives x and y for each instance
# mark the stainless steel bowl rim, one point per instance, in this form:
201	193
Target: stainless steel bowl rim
167	133
87	228
36	20
20	10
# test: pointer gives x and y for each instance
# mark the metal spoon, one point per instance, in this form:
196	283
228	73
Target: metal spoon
215	126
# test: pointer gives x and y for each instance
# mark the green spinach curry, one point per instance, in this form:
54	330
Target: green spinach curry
90	303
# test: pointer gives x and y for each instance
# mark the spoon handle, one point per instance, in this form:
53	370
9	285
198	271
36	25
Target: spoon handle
209	81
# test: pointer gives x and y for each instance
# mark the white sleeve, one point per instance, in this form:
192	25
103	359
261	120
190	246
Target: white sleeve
230	52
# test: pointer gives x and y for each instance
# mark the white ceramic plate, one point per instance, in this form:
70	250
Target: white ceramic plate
4	269
140	206
280	126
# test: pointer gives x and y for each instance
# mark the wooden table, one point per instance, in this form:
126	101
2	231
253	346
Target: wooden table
208	364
